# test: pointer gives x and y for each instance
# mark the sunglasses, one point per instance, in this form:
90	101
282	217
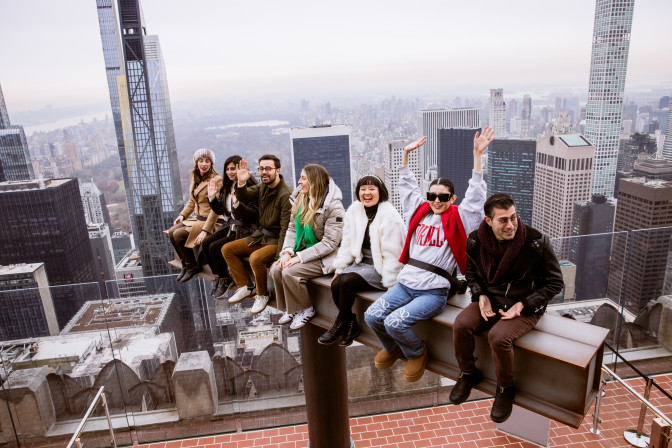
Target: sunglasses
443	197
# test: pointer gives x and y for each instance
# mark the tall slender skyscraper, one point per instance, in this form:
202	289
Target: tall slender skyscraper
497	117
328	146
608	65
429	123
15	161
525	117
667	146
147	127
394	151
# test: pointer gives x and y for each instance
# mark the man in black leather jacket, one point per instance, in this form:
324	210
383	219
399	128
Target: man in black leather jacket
513	273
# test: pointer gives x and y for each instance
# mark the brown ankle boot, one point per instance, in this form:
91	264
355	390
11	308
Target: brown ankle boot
415	368
384	359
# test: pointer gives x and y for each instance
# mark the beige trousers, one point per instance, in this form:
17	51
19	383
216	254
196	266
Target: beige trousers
291	292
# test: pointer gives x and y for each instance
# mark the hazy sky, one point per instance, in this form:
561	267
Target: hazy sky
52	53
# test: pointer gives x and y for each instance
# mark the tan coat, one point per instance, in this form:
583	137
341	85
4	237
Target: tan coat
200	206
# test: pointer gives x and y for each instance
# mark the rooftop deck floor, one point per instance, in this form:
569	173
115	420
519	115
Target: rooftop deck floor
465	426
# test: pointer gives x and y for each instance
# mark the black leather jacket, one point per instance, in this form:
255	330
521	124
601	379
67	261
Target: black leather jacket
534	279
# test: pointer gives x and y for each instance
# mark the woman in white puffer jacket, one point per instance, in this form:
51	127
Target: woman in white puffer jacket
368	258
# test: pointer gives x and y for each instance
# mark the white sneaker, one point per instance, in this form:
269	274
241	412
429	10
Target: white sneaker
241	293
286	318
302	317
260	303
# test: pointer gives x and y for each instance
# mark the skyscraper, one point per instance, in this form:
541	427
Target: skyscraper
146	123
638	267
455	149
511	165
394	150
667	146
497	117
15	161
562	178
95	206
43	221
608	65
26	305
430	121
328	146
525	117
637	144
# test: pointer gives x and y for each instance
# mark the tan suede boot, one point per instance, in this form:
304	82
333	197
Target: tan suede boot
415	368
384	360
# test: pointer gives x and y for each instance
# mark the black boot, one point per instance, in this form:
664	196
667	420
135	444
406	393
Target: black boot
182	272
222	287
331	335
503	405
352	330
215	287
462	388
192	269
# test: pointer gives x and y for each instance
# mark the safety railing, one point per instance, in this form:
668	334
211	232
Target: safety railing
99	398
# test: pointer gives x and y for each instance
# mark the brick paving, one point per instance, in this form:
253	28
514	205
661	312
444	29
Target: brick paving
465	426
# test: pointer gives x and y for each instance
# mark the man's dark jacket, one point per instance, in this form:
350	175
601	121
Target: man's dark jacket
533	279
274	211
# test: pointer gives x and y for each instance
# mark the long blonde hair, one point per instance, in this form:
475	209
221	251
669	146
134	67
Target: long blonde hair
318	178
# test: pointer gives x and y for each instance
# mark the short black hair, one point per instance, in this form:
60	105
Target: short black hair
499	200
275	160
445	182
376	182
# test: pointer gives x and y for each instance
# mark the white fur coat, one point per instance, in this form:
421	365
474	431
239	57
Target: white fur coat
387	233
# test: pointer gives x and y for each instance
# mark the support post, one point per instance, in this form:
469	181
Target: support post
325	382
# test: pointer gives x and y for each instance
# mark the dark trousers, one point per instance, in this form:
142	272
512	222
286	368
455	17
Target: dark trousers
212	252
178	237
501	336
343	290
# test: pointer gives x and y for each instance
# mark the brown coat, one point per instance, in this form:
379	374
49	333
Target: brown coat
200	206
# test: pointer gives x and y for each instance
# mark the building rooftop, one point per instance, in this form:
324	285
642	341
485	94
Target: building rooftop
573	140
21	268
39	184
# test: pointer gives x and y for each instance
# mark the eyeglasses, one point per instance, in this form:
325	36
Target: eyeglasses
265	169
443	197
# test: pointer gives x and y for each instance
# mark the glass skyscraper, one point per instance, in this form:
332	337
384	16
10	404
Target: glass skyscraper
511	165
15	161
608	65
455	149
145	117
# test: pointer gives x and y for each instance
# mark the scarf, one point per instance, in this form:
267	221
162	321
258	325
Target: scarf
496	256
452	227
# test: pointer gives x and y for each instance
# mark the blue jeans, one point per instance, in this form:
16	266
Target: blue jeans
395	312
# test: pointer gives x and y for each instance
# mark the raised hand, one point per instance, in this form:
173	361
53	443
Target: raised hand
481	141
242	172
416	144
212	188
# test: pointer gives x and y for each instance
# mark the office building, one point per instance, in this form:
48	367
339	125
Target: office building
455	159
122	243
648	168
526	117
636	145
128	273
608	65
562	177
497	118
26	306
43	221
325	145
638	264
667	146
95	206
15	163
511	164
154	190
103	254
394	150
429	123
591	243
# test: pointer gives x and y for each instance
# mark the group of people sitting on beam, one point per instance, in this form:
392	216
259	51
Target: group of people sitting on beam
304	233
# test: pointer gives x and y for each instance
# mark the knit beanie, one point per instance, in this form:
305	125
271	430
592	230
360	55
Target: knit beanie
204	152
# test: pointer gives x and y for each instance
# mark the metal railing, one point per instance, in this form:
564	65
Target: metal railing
100	396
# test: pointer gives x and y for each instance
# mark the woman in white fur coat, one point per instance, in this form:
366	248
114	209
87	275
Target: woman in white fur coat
368	258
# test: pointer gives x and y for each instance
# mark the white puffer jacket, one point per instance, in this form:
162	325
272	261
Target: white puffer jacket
387	233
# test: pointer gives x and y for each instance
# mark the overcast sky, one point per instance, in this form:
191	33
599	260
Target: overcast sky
52	53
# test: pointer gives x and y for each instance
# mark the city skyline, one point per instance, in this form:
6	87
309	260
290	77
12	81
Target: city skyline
271	56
